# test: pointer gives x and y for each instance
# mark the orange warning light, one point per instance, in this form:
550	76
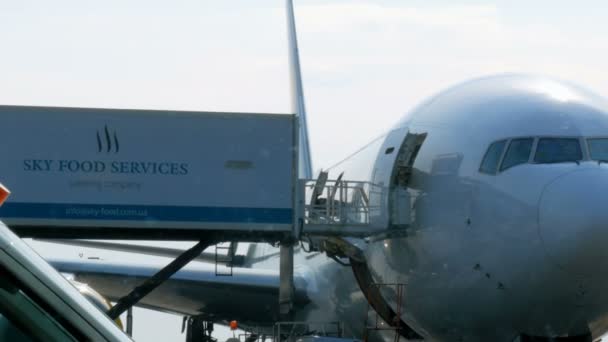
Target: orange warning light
4	193
234	325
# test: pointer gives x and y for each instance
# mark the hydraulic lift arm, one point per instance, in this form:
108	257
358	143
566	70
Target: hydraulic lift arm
165	273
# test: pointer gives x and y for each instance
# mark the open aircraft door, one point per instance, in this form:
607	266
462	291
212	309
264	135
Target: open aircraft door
400	203
363	208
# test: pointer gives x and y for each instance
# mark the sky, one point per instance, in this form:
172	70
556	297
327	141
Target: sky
364	63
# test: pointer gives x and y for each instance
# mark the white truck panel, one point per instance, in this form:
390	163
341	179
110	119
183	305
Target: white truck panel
140	168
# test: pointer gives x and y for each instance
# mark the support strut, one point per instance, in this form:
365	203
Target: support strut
286	286
153	282
130	322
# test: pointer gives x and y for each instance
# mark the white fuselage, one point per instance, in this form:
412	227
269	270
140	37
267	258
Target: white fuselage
486	256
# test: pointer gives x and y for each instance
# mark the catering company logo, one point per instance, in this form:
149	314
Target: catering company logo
107	141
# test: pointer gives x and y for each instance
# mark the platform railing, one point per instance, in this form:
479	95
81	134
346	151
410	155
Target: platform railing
341	202
288	331
376	323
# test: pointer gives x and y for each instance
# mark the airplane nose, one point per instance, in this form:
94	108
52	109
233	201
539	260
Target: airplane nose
573	221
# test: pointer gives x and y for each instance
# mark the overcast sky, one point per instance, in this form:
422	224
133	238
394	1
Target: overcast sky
364	62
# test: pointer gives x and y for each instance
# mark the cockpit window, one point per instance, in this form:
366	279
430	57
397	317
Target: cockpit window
517	153
492	157
558	150
598	149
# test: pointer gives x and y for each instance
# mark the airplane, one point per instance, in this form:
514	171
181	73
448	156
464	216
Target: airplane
503	178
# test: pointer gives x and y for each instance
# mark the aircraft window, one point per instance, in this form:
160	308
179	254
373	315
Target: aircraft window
558	150
492	157
598	149
517	153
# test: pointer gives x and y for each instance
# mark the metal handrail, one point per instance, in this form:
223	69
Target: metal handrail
341	202
306	328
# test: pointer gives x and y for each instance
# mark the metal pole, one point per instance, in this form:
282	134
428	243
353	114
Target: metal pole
286	287
130	322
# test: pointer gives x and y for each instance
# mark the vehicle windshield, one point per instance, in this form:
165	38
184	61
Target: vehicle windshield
22	318
558	150
598	148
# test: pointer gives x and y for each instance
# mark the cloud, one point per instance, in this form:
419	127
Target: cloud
360	59
364	60
360	36
349	17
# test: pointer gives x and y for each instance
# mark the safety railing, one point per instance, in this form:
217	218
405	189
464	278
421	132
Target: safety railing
287	331
340	202
258	334
392	323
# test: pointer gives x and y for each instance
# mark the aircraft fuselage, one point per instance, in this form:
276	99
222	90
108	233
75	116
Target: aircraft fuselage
487	255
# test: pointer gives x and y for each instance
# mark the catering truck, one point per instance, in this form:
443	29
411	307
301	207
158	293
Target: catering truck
113	173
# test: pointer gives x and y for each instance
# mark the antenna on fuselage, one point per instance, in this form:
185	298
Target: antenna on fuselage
297	95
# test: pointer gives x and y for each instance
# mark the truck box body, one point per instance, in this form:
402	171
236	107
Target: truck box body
75	171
